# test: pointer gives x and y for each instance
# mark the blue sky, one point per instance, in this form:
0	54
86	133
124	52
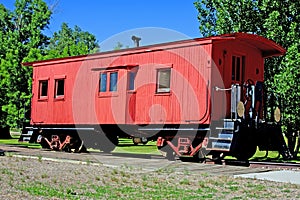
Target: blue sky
110	18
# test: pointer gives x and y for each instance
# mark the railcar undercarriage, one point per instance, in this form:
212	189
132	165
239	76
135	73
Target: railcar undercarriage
239	135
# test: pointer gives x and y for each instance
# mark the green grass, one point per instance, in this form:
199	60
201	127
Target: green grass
272	155
162	191
111	186
127	146
15	141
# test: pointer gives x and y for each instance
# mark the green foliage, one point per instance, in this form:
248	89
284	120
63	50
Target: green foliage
277	20
22	40
226	16
21	33
283	26
288	82
71	42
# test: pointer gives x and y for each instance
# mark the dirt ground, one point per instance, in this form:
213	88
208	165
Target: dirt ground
32	176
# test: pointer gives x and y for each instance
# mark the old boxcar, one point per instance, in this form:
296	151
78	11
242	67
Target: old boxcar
195	97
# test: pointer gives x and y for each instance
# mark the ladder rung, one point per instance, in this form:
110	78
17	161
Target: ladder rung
218	138
217	149
223	128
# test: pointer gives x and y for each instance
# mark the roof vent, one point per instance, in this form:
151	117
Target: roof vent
136	40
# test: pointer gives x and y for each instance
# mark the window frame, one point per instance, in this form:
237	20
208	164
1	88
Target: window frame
238	68
57	88
40	89
100	82
109	90
159	89
113	86
131	77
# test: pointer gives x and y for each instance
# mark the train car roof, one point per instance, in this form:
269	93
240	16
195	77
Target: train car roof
267	47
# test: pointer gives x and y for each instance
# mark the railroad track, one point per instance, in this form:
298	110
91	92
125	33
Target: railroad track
262	164
150	162
274	165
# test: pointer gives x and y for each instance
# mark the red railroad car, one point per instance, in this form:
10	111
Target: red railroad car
193	96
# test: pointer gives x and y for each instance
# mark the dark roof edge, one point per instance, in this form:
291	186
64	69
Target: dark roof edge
278	50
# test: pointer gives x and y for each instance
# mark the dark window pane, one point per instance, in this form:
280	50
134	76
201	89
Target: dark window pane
113	81
233	68
243	68
103	81
132	76
164	80
43	88
238	69
60	87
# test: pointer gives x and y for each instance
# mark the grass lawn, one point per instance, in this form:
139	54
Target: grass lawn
127	146
25	178
15	141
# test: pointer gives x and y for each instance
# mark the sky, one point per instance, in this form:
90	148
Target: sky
112	21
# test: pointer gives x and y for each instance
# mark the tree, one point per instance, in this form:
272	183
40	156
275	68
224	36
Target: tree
282	24
21	38
274	19
71	42
226	16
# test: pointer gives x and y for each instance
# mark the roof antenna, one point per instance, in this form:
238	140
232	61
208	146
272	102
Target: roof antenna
136	40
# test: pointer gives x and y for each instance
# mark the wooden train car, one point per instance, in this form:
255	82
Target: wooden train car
192	96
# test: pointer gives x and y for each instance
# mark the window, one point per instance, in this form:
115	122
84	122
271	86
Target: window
132	72
131	79
163	80
238	67
103	82
113	81
110	78
43	88
59	88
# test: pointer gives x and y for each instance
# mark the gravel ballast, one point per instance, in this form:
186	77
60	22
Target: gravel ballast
28	178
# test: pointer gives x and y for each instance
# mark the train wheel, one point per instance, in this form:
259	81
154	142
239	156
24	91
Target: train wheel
244	144
217	157
98	140
245	149
200	155
170	155
78	147
144	143
246	153
137	140
167	152
107	148
108	144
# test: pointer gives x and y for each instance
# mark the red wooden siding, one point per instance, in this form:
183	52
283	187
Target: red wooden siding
222	54
197	67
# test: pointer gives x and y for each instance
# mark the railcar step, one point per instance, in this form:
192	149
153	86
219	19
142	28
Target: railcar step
231	120
26	134
220	145
226	135
223	136
217	149
221	139
225	128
